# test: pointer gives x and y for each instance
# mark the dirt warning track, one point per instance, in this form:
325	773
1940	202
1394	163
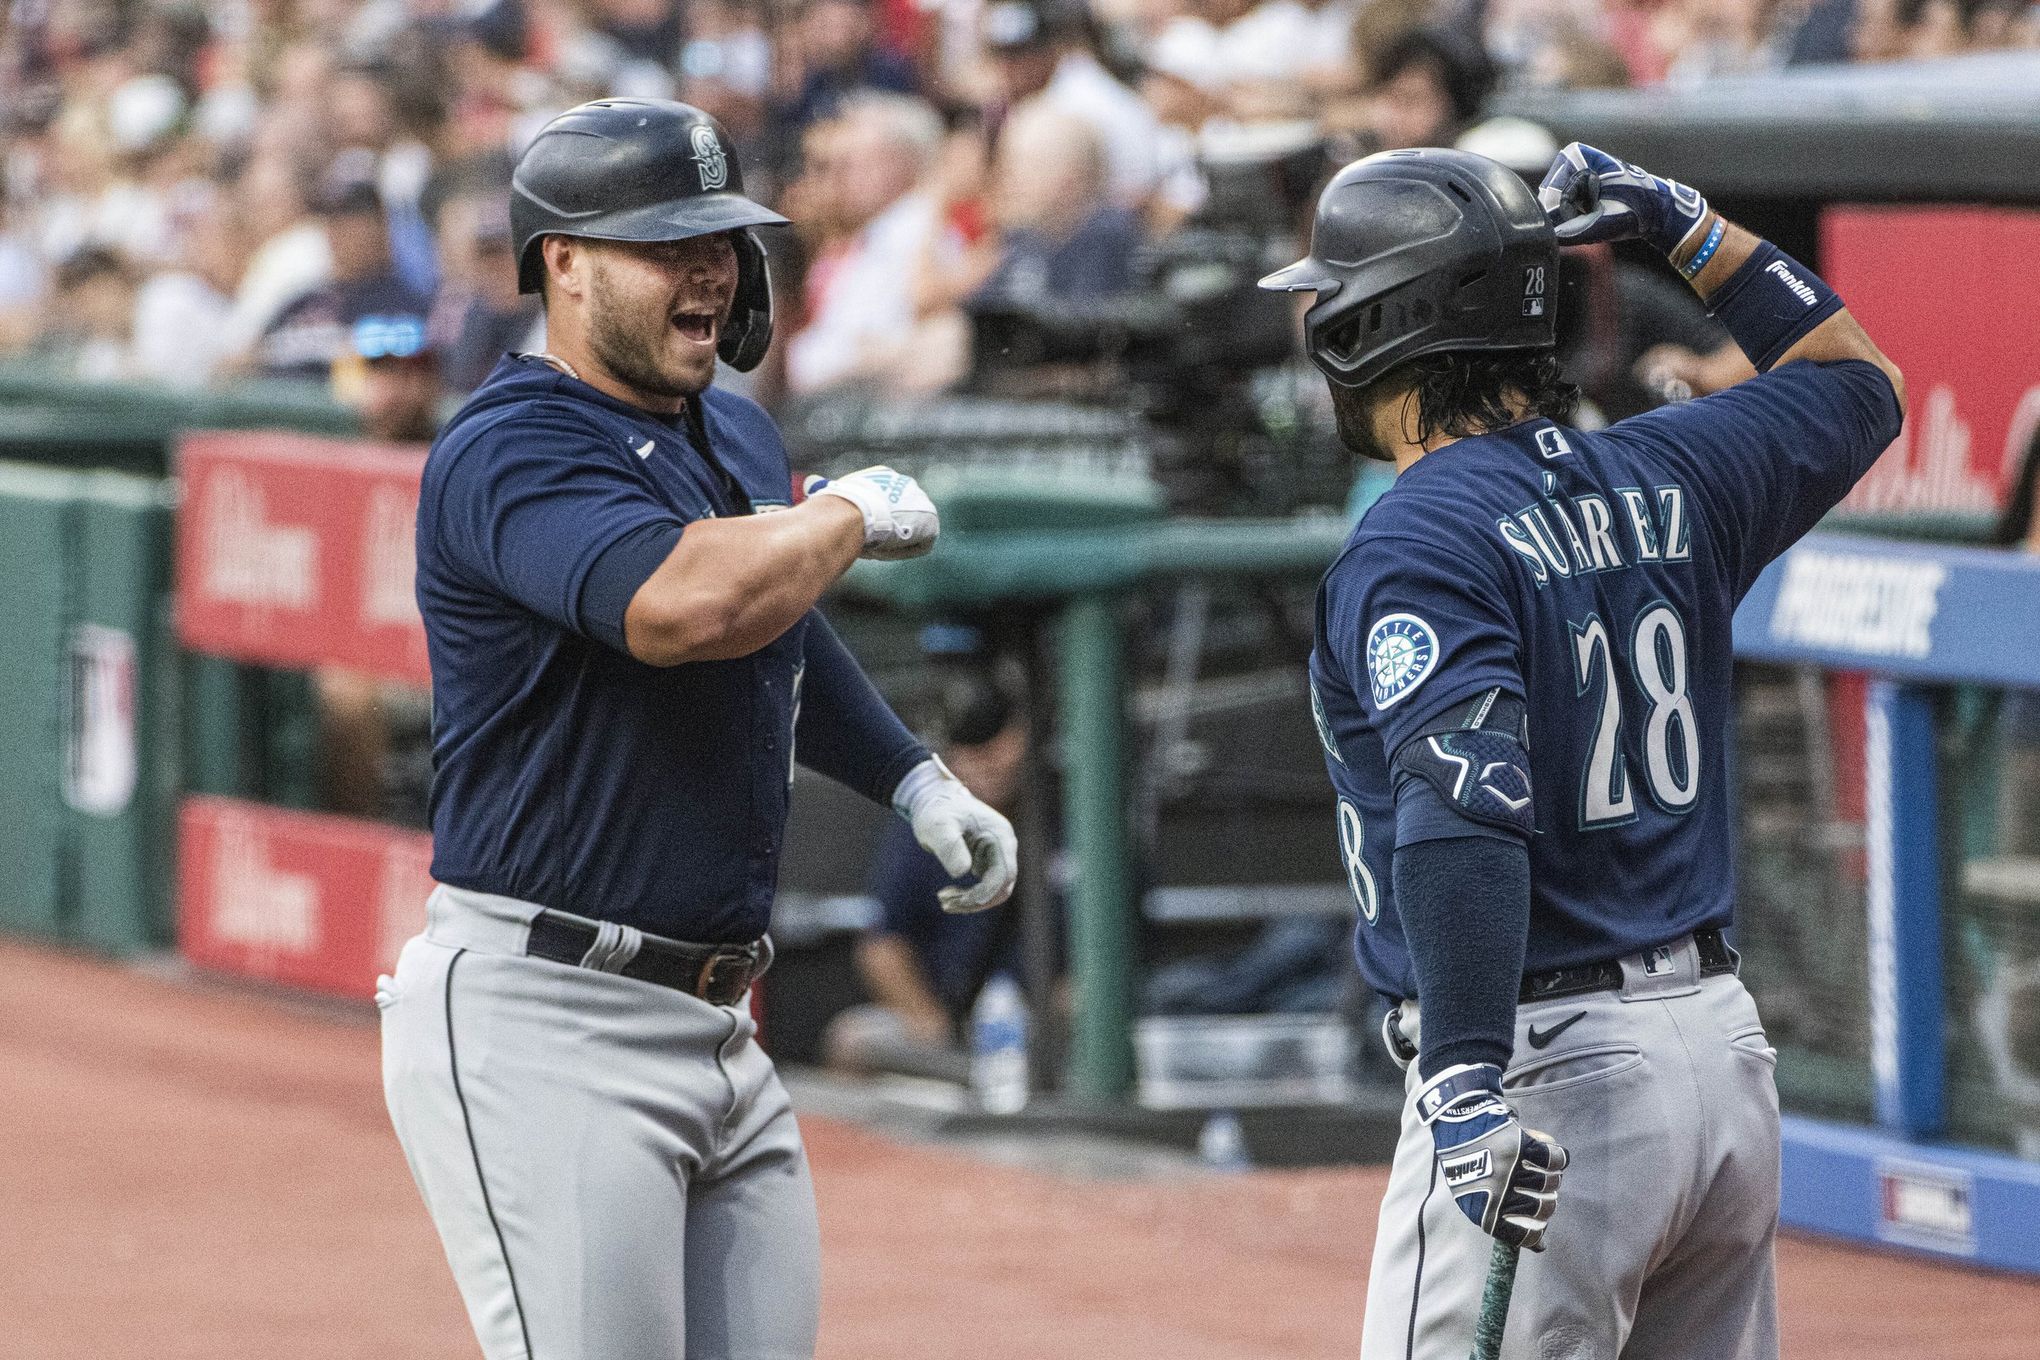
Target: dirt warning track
193	1173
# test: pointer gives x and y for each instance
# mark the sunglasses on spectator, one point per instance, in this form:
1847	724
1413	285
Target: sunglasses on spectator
389	337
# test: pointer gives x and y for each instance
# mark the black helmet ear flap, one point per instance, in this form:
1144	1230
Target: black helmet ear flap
748	333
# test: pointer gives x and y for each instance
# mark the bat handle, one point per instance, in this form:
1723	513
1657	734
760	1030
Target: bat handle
1494	1302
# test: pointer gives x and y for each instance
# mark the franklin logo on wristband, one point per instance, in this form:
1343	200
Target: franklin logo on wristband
1793	283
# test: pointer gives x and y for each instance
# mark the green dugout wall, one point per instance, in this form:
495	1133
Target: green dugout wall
87	707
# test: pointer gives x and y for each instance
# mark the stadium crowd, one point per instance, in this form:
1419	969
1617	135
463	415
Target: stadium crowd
193	193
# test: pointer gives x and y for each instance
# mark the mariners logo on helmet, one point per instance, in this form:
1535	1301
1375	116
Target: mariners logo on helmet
1401	649
708	154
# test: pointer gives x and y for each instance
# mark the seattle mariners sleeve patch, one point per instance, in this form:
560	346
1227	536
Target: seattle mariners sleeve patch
1401	651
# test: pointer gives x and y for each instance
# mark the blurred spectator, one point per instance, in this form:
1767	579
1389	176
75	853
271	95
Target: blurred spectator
375	737
1184	84
1713	38
922	966
959	258
1378	23
1430	84
726	66
388	371
185	138
150	162
646	30
1062	239
21	284
183	312
86	334
291	257
862	288
837	56
309	334
1279	56
363	109
1043	49
479	316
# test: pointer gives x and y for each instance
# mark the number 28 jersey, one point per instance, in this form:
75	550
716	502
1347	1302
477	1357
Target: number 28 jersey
1595	576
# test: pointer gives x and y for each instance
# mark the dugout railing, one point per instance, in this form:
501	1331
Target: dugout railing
1926	625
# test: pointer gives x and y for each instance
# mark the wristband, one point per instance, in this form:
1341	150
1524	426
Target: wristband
1691	268
1770	303
916	782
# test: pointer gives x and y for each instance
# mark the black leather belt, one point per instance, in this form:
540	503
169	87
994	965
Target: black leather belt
1715	957
717	973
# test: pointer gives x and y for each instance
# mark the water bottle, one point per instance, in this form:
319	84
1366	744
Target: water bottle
1222	1142
998	1043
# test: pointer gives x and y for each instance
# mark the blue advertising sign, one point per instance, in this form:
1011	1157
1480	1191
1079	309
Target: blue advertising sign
1910	611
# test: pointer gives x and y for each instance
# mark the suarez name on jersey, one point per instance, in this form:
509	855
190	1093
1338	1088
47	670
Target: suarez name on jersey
1595	576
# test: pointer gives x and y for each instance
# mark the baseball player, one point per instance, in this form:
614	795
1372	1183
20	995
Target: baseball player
1522	677
626	662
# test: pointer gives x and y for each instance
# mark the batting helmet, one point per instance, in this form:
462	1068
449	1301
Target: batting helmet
644	170
1416	252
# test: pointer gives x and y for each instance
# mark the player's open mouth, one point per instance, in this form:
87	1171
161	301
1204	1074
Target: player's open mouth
696	326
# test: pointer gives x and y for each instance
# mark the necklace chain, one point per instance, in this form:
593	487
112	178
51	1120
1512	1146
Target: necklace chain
557	362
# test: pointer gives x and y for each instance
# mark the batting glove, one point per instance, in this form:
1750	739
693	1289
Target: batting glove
1401	1051
1591	196
967	834
899	519
1504	1176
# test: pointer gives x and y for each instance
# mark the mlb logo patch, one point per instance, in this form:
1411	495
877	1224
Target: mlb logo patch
1657	962
1401	650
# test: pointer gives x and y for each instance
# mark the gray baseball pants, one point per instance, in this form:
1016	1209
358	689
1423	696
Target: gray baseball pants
1661	1246
613	1165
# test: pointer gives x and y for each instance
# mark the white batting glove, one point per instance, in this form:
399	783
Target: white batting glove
967	834
1503	1176
899	519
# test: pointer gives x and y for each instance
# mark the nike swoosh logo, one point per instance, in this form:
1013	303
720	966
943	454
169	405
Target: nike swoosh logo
1542	1038
644	450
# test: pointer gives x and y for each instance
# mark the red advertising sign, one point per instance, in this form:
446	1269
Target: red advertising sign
297	551
1951	295
313	901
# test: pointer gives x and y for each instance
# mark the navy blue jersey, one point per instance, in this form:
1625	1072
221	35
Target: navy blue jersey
1595	576
565	772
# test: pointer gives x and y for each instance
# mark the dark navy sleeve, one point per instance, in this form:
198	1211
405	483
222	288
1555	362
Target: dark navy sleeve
614	579
1419	624
533	504
1768	457
1465	905
905	880
845	730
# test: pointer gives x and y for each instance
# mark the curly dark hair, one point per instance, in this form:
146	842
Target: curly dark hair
1469	392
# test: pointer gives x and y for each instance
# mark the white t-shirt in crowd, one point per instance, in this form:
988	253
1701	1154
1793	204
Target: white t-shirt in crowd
1280	39
869	298
180	329
1125	125
283	269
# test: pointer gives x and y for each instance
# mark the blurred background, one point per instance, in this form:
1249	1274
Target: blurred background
252	252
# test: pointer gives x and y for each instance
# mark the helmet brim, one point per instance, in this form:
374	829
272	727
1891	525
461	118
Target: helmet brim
679	219
702	215
1307	275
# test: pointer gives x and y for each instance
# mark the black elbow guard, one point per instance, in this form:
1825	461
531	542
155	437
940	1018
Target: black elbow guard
1477	758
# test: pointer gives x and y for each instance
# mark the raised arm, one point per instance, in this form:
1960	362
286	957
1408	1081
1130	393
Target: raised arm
1776	309
727	587
1831	340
